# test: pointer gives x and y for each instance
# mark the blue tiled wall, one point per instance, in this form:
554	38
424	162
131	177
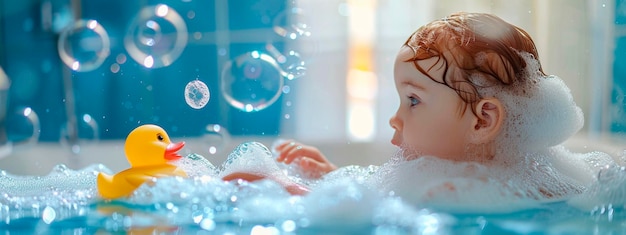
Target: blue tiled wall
618	96
120	101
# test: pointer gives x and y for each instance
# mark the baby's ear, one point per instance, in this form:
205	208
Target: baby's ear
488	121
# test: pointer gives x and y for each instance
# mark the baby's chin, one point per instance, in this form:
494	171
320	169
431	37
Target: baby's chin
407	153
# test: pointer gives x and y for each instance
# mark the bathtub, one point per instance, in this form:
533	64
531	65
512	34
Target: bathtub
349	215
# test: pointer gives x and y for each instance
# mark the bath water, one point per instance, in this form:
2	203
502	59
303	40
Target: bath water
344	202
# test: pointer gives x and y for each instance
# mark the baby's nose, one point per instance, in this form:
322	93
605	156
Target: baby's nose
394	122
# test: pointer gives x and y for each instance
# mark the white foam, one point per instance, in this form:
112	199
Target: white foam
250	157
605	197
554	174
544	116
61	194
393	194
196	165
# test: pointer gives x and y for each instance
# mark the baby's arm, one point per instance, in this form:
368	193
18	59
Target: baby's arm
309	158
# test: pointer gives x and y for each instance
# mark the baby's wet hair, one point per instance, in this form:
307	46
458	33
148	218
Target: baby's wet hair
471	45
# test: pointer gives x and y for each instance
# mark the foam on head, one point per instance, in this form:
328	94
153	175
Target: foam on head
540	111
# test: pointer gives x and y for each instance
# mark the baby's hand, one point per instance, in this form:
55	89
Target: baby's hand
309	158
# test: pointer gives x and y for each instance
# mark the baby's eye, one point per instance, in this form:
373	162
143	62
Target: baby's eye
413	101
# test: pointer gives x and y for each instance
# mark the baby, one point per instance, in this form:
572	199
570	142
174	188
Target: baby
474	104
442	74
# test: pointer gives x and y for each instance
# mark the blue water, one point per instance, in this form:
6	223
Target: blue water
66	202
555	218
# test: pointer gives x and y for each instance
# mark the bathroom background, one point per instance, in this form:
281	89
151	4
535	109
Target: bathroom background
80	75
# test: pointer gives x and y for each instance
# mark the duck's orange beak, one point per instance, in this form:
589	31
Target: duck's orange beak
172	149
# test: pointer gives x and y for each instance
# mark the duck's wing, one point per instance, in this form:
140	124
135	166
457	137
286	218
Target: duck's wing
116	186
124	183
138	179
108	187
149	174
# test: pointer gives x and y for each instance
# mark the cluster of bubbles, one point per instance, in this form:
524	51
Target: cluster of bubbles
291	24
291	64
255	80
67	197
540	110
156	38
606	197
355	198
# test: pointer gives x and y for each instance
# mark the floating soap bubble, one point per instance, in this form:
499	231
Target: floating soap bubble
215	138
23	129
84	45
156	37
87	133
291	24
252	81
291	63
197	94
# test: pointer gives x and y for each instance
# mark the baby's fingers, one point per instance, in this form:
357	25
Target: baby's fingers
282	145
283	148
298	151
314	168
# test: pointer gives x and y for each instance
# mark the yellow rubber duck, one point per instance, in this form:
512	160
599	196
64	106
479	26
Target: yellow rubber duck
148	149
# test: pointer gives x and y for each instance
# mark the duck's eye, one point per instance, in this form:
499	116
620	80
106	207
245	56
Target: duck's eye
159	137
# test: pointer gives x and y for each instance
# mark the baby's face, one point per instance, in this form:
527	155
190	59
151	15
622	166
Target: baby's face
430	119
